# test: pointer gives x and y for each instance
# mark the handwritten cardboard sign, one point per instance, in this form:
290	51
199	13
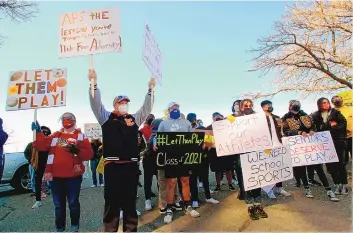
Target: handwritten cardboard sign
151	55
93	130
179	152
266	167
316	149
89	32
31	89
245	134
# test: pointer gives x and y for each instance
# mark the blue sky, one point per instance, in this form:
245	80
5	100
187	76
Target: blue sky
204	56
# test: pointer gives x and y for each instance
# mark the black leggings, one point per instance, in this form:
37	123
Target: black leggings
300	176
206	186
38	176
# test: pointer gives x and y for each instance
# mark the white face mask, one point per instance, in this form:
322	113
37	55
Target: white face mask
123	108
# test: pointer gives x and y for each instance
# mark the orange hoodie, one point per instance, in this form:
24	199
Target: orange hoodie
62	163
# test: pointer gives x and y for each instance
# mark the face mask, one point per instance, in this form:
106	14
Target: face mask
67	124
296	108
123	108
270	109
325	106
175	114
149	121
219	119
338	103
248	111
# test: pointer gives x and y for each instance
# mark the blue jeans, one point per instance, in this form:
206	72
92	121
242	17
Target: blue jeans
32	177
62	189
94	165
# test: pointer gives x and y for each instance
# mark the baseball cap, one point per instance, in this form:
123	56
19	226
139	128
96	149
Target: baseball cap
172	104
120	98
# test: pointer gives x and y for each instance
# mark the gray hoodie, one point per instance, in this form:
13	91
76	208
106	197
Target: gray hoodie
171	125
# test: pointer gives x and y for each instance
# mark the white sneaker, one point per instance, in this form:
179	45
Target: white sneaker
271	194
148	205
121	214
337	190
37	204
168	218
200	185
195	204
308	193
138	213
193	213
102	185
332	196
93	186
284	192
211	200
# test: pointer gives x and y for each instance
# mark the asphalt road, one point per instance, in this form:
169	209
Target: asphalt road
295	213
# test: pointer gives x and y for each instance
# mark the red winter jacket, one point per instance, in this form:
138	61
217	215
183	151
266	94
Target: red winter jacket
62	163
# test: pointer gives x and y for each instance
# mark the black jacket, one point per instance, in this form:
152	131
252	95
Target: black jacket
277	122
293	123
338	132
95	147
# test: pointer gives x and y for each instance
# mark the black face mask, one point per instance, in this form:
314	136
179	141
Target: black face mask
248	111
270	109
338	103
296	108
149	121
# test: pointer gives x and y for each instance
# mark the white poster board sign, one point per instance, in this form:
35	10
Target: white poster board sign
266	167
245	134
32	89
93	130
316	149
151	55
89	32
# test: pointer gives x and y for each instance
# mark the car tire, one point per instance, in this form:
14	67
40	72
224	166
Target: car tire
21	179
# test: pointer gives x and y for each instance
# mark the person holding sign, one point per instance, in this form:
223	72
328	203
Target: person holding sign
121	155
68	148
329	119
3	139
175	124
274	125
252	197
297	122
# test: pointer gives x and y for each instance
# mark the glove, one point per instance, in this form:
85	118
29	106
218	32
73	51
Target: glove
72	148
36	127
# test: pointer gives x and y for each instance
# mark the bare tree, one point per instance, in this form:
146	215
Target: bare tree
310	51
18	11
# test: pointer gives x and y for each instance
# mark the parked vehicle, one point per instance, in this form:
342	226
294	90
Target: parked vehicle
16	171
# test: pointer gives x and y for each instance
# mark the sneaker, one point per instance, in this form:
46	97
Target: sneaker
260	211
102	185
314	183
43	195
168	218
332	196
231	188
217	189
344	190
200	185
337	190
163	210
211	200
308	193
253	213
121	214
284	192
241	196
37	204
177	206
138	213
93	186
271	195
195	204
148	205
193	213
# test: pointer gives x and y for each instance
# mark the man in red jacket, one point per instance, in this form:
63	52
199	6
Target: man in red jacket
68	148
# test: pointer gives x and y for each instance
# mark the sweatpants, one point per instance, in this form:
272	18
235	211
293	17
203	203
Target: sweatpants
38	174
120	194
206	185
338	170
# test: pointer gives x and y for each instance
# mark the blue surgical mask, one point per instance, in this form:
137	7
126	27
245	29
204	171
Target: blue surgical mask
175	114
